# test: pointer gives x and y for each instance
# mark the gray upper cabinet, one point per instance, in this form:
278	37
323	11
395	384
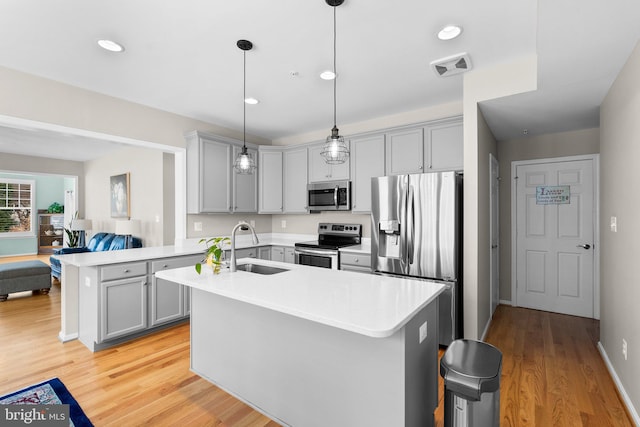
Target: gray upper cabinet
444	146
435	146
295	180
212	185
367	161
270	181
245	187
405	151
320	171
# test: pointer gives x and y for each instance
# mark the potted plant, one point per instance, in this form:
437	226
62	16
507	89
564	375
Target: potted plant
55	207
72	235
213	253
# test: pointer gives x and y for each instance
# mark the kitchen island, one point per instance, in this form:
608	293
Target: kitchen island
315	347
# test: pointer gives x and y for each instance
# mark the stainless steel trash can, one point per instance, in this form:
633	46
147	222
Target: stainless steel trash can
471	371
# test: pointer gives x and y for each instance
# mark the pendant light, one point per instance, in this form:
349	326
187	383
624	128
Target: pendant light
334	150
244	163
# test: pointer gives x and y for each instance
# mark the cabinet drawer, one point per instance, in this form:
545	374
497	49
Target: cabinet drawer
355	259
122	271
169	263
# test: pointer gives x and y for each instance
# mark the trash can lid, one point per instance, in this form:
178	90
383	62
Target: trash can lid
471	367
473	358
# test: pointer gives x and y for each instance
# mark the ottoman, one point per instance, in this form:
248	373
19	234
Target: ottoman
24	276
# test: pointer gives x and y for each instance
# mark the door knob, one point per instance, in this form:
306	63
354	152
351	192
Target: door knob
585	246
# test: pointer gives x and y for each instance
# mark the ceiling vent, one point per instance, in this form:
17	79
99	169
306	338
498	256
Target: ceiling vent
452	65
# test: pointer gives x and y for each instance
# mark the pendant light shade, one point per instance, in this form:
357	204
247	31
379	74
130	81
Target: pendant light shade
244	163
335	150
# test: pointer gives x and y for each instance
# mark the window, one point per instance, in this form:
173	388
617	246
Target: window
16	207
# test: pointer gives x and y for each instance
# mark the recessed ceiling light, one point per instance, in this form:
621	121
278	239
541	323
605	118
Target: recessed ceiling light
449	32
110	45
251	101
327	75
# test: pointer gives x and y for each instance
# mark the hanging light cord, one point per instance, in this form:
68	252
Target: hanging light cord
244	104
335	73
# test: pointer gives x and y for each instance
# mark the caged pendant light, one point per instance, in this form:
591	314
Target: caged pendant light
244	163
334	150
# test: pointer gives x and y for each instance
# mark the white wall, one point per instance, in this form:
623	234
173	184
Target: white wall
147	195
586	141
620	197
481	85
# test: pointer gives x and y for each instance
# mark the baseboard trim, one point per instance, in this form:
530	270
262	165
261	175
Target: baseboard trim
623	393
66	338
506	302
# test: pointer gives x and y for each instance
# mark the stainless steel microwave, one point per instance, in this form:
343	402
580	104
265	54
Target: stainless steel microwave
329	196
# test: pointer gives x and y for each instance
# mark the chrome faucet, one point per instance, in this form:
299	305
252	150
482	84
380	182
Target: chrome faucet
243	226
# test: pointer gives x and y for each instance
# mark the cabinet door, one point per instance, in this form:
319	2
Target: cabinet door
123	307
444	147
246	253
289	255
277	253
270	182
367	161
295	180
405	152
245	187
320	171
264	252
166	300
215	176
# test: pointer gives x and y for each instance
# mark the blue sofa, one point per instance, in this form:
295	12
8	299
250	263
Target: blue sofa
98	243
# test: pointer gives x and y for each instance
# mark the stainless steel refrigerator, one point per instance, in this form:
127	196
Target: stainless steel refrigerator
416	232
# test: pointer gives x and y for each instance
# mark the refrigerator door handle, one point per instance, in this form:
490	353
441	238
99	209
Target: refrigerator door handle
404	224
411	229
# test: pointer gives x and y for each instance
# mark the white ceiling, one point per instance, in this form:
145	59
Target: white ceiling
181	56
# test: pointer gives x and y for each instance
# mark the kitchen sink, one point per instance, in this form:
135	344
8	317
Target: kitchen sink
260	269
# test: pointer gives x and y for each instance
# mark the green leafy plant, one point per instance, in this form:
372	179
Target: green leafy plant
213	253
72	235
55	207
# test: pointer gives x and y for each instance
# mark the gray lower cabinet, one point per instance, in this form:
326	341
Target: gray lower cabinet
168	301
118	302
352	261
282	254
123	307
264	252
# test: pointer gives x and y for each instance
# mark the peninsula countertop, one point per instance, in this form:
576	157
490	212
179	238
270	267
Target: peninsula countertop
189	247
367	304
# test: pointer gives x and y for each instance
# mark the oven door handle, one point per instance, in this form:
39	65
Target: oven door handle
315	252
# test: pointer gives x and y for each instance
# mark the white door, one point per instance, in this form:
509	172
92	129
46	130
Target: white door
494	176
555	236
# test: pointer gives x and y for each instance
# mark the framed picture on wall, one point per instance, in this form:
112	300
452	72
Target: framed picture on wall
120	196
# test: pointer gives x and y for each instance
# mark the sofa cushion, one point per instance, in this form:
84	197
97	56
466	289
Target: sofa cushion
104	243
117	243
95	241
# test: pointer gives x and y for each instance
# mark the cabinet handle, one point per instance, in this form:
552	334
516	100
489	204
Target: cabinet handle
165	266
420	167
356	260
126	270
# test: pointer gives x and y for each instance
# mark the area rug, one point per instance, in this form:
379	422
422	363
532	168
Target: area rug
51	392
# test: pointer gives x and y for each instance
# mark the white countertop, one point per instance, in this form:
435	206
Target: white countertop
372	305
187	247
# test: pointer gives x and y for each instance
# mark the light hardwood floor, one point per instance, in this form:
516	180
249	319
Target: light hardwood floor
552	372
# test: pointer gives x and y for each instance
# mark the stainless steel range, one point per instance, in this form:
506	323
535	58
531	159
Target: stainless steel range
324	252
